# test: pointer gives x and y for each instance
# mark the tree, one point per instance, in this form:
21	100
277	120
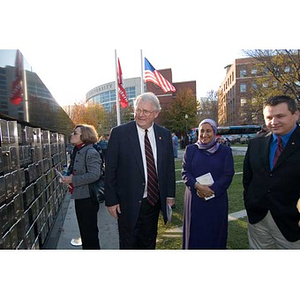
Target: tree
126	115
92	114
278	71
181	115
208	107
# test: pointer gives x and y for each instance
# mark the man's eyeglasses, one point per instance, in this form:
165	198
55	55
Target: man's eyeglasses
147	113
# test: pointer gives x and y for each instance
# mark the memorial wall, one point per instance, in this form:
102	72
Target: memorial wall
33	137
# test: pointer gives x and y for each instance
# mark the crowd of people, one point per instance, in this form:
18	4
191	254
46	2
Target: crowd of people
140	180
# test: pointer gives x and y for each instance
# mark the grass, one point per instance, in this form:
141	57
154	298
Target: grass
170	236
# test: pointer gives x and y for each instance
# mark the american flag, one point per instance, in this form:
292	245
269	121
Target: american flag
152	75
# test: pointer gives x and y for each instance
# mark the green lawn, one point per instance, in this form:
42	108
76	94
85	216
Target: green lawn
170	237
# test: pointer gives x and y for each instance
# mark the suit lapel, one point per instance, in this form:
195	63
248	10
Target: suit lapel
292	145
266	151
133	138
159	145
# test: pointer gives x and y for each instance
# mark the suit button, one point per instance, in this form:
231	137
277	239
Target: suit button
269	191
140	201
271	174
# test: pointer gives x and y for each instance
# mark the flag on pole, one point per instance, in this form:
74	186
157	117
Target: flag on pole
121	90
17	85
152	75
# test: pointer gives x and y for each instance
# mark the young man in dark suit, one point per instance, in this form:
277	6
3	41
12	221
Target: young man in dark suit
271	179
127	194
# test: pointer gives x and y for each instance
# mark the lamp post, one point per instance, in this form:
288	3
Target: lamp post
186	118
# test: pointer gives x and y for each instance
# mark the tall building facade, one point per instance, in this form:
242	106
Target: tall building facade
234	94
38	107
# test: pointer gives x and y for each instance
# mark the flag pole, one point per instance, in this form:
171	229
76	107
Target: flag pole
142	72
117	92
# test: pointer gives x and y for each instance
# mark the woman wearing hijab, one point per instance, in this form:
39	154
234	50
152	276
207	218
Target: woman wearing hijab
205	199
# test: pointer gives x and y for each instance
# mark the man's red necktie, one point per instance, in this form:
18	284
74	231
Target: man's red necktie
152	182
278	150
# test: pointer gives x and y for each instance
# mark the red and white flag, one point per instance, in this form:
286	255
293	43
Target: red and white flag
121	90
154	76
17	85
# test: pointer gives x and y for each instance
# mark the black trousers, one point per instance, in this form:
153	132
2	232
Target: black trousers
144	234
86	213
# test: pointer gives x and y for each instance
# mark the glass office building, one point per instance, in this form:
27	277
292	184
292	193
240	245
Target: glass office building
37	107
105	94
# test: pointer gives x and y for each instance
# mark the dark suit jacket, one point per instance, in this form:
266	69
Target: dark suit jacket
124	171
277	190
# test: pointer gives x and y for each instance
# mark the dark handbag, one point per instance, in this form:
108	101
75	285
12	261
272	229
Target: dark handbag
97	190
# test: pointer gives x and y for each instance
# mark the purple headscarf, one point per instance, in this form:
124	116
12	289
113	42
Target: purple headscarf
213	146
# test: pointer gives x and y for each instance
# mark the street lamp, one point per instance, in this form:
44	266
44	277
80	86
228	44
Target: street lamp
186	118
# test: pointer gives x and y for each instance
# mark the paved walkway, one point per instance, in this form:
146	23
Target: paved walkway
108	231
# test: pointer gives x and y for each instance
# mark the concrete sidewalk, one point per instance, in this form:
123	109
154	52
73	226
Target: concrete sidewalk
108	230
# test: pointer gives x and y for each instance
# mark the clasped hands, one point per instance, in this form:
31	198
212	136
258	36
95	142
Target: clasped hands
203	191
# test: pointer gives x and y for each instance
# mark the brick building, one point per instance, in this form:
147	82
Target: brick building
166	98
234	94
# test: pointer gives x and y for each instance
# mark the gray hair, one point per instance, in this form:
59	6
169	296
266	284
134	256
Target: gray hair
148	97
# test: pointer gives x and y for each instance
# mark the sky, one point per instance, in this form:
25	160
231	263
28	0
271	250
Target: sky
71	44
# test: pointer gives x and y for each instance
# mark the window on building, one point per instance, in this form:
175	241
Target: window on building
254	71
131	92
243	87
243	72
254	85
243	101
287	69
265	71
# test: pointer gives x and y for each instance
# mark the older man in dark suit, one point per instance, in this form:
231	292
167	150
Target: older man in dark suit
271	179
133	197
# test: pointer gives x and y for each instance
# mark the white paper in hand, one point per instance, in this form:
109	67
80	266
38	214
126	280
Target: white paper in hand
206	179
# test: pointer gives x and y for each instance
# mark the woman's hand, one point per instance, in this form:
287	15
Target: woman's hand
67	179
203	191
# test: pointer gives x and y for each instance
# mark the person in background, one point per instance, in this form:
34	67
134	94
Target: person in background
103	144
175	144
206	203
85	168
131	196
271	179
264	131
